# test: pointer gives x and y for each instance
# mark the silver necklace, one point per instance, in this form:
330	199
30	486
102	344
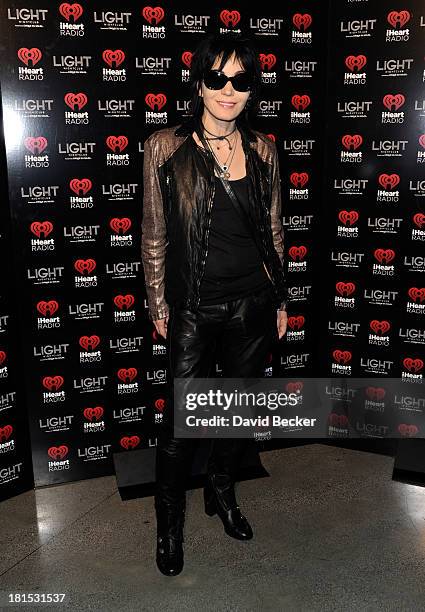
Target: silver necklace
224	168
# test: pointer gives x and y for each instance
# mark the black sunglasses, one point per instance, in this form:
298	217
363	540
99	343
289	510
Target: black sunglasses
216	79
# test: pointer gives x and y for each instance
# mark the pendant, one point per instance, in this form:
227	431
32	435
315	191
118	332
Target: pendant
225	167
227	175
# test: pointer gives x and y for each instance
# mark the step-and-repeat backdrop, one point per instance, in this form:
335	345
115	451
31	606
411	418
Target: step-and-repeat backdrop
83	85
16	473
373	231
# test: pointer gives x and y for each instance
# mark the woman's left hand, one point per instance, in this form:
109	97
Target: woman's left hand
282	322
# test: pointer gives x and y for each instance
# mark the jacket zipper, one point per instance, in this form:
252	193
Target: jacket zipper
266	251
267	272
210	203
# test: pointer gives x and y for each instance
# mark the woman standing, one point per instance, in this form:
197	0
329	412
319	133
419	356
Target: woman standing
212	252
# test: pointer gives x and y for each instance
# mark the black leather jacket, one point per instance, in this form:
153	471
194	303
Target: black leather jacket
179	187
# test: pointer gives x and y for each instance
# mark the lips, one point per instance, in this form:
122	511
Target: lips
226	104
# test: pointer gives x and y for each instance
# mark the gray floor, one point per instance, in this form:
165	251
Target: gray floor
332	531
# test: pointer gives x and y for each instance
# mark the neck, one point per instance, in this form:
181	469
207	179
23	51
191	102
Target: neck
217	126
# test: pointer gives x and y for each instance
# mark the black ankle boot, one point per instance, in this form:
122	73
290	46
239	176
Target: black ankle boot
219	498
169	550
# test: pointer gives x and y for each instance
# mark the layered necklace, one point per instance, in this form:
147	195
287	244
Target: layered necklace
223	168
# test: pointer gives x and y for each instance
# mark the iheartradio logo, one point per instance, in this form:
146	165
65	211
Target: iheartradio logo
153	15
419	220
300	102
85	266
2	357
345	289
47	308
294	387
130	442
267	61
124	302
302	21
75	101
53	383
159	100
80	186
71	12
41	229
187	58
398	19
388	181
379	327
89	343
120	226
159	404
297	253
117	144
57	453
113	58
338	420
342	356
348	217
30	57
355	63
413	365
384	256
407	429
417	295
296	322
127	375
36	144
272	137
375	394
421	140
93	414
5	433
352	141
299	179
393	101
230	18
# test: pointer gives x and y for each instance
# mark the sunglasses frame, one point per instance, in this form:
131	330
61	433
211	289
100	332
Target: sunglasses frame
232	79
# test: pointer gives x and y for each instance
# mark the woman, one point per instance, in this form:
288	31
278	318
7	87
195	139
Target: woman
212	252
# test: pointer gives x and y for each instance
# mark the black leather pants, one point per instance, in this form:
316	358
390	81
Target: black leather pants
244	330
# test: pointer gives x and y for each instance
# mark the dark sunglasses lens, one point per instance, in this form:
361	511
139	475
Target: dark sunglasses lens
218	80
242	82
214	80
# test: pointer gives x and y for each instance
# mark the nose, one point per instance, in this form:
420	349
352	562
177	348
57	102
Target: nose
228	89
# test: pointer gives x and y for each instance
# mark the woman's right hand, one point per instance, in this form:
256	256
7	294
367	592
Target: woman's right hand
161	326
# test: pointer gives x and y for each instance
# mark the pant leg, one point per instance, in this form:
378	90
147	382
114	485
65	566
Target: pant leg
191	343
246	344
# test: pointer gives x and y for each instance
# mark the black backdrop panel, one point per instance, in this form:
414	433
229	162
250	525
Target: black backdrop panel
84	84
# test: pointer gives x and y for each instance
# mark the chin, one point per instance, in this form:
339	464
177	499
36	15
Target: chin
225	116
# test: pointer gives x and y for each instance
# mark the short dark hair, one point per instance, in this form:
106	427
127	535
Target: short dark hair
225	45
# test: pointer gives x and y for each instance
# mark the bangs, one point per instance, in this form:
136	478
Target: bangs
227	52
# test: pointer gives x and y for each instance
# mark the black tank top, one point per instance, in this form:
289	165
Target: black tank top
234	267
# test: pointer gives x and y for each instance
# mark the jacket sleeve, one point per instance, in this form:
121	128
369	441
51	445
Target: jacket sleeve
275	213
154	236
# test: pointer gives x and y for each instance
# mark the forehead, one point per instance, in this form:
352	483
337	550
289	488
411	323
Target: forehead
232	63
